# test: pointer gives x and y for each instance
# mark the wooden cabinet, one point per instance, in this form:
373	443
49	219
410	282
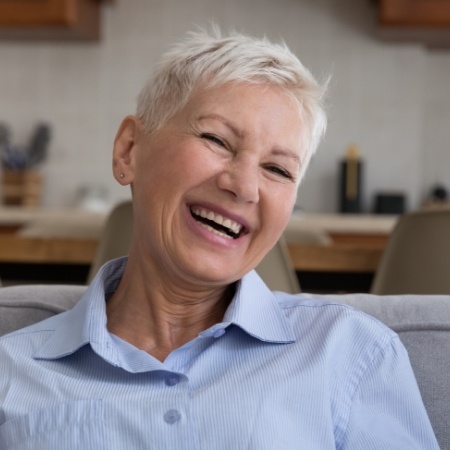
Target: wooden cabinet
420	13
50	19
426	21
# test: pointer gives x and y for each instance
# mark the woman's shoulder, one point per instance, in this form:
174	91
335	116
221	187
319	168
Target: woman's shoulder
332	312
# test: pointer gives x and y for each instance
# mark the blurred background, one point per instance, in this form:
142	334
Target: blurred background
388	98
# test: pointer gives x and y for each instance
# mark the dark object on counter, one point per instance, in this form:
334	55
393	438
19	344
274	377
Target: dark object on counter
350	181
390	203
37	151
20	157
438	198
4	135
440	193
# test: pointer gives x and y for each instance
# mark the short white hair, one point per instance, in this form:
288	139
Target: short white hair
208	59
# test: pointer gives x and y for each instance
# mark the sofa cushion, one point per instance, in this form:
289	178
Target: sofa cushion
422	322
423	325
21	306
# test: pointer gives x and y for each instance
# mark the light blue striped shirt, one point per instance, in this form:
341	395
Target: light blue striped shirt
280	372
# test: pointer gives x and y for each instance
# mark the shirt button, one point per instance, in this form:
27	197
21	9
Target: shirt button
172	380
172	416
217	333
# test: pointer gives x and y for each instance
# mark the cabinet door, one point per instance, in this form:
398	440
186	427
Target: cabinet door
422	21
427	13
37	12
49	19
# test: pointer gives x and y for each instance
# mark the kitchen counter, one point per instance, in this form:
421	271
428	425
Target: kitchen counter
51	222
49	235
337	226
35	234
316	242
338	242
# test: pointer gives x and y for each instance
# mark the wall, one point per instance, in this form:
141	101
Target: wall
390	99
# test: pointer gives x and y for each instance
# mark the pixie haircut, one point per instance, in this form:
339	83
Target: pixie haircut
206	59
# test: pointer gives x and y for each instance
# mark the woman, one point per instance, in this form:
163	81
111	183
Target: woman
214	160
190	349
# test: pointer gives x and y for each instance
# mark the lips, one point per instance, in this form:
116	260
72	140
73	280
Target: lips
216	223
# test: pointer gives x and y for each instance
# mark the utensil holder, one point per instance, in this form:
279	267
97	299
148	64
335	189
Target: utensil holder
21	187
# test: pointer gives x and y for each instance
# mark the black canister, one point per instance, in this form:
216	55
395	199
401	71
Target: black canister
350	179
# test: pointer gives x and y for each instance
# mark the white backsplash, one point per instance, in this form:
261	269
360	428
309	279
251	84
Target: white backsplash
392	100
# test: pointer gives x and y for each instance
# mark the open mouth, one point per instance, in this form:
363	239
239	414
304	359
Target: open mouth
217	224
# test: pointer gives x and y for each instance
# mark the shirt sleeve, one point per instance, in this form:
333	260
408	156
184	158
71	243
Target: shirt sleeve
387	411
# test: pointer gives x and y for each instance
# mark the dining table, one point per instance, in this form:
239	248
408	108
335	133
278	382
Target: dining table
318	243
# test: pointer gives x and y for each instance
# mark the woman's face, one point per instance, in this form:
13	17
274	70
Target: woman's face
214	188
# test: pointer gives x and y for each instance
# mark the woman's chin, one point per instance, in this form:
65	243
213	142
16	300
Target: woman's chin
211	272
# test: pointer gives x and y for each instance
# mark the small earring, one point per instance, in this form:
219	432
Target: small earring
121	175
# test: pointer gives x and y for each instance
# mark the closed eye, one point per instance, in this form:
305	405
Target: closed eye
280	171
212	138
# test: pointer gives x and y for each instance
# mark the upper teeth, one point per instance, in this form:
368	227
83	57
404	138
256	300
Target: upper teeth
219	219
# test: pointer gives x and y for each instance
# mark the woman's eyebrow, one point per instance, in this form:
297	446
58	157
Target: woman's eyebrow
238	132
287	153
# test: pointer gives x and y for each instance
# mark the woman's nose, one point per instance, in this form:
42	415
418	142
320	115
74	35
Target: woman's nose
241	179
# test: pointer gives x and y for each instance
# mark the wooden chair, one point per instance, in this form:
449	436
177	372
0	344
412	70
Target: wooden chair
116	236
277	271
416	259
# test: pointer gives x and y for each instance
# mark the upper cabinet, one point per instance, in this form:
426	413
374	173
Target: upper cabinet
50	19
426	21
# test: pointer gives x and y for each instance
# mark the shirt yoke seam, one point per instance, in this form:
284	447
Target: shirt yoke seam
380	325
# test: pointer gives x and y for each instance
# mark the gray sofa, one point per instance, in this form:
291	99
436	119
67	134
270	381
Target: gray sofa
422	322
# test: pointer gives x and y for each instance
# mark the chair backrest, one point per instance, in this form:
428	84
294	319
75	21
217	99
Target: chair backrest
276	268
115	238
416	259
423	325
298	231
277	271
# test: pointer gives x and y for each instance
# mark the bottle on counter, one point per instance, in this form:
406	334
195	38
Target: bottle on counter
350	179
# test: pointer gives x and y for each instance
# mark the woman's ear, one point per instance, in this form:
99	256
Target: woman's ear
124	153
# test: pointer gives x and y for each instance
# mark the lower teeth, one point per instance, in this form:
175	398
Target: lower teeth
213	230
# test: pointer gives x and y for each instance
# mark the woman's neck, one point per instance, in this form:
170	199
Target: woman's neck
159	317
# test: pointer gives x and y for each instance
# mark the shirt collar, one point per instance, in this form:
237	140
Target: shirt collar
254	309
85	323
